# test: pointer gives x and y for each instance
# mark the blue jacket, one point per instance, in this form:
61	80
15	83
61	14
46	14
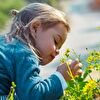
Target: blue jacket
18	64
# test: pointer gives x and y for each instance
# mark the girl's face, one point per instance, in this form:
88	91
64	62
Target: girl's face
48	42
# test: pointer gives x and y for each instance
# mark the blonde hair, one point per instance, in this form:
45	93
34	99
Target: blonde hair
47	15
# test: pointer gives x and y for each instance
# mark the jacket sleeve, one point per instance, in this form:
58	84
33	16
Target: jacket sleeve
29	85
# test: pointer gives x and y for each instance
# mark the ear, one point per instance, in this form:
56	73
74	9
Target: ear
34	26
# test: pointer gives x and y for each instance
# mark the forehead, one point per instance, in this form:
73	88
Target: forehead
61	30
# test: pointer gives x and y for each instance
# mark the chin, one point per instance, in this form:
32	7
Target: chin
45	62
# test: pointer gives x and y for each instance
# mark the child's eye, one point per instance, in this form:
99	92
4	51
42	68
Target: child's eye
55	42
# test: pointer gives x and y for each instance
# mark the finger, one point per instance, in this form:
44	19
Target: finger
74	63
69	60
79	72
78	66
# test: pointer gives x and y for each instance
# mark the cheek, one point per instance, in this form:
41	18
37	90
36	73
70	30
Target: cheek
47	49
45	46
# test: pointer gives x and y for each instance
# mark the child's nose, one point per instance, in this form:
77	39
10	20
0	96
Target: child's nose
57	52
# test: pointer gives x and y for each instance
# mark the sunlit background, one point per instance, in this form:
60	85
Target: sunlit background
84	18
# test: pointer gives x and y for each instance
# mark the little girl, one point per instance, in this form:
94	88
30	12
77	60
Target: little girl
37	33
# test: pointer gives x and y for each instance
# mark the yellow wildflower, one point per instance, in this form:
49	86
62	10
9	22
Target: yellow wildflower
90	67
67	52
90	58
89	86
62	60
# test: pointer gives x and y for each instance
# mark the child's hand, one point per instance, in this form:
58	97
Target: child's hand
74	66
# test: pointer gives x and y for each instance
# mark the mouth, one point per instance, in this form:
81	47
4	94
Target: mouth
52	57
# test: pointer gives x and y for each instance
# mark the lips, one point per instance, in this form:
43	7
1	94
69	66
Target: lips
52	57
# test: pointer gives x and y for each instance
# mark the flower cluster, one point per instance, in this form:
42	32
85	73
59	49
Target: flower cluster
79	87
94	59
90	85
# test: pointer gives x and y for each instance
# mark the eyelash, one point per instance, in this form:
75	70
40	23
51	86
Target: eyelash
55	42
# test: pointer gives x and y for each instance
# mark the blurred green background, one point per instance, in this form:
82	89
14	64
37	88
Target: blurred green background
7	5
